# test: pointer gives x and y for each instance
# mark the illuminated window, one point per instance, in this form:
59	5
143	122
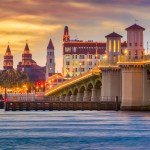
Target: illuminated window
118	46
67	49
109	45
114	45
67	56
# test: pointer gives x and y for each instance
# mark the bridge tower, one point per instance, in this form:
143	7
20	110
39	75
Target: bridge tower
111	76
134	82
113	47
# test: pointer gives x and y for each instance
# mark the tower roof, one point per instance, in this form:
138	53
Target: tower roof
50	45
113	34
26	47
135	27
8	49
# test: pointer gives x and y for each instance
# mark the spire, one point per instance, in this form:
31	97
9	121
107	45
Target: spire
8	49
66	36
50	45
26	47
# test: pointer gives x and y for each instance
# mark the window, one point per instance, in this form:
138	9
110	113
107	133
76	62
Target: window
67	62
118	45
109	45
67	56
81	56
67	49
76	56
82	69
135	44
90	56
90	63
72	56
114	45
50	53
130	44
141	44
76	70
51	61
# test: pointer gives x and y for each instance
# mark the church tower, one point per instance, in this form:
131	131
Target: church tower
135	41
66	36
26	58
8	59
50	60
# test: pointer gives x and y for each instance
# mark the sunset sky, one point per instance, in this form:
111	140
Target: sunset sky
37	20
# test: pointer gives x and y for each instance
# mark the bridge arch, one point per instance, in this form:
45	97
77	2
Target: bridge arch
82	89
69	93
98	84
75	92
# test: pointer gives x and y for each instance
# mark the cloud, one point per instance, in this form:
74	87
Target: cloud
34	20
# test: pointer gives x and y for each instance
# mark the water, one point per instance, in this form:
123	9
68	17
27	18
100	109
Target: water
74	130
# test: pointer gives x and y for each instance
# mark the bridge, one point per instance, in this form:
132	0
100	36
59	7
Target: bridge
108	80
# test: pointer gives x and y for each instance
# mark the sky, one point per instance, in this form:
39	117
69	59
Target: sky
39	20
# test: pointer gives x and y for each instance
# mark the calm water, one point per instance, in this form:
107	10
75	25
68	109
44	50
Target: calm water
74	130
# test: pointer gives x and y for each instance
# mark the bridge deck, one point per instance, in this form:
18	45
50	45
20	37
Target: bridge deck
45	105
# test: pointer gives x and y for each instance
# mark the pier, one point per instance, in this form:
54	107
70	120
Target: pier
50	105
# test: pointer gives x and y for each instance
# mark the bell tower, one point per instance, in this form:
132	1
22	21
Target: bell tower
26	57
50	60
66	36
8	59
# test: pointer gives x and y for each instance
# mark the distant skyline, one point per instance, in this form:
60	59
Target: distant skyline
38	20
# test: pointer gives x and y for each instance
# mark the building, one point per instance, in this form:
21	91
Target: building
80	56
34	71
50	60
8	59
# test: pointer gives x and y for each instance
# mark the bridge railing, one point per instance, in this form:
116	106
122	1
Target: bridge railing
134	58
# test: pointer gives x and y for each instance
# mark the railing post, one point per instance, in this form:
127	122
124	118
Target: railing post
117	103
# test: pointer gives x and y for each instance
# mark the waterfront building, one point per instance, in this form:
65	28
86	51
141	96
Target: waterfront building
8	59
50	60
80	56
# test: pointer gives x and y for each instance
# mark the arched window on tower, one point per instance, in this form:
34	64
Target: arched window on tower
114	45
109	45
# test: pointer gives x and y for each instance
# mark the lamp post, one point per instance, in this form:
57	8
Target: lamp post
88	61
80	67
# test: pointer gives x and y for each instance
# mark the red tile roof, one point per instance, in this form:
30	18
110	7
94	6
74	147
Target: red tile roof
135	27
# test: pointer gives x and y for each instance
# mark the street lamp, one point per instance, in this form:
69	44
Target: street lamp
80	67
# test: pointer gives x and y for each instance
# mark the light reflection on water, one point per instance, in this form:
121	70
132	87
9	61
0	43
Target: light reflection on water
74	130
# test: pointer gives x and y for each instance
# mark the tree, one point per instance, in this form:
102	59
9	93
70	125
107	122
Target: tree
12	78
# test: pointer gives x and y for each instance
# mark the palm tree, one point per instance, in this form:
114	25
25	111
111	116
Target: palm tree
12	78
